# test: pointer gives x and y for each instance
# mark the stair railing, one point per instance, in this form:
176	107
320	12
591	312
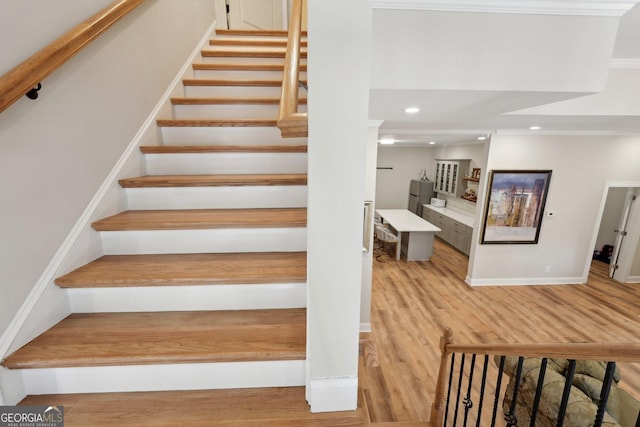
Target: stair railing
26	77
451	390
291	122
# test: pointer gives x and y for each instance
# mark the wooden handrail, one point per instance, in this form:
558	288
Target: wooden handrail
18	81
618	352
290	122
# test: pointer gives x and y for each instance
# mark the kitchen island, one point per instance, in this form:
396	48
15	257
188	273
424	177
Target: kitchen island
414	233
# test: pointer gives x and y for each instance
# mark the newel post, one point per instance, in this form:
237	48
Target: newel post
437	409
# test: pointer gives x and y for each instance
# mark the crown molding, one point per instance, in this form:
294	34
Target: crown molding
629	63
543	7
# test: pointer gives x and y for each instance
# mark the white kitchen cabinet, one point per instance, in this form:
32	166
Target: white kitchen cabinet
449	174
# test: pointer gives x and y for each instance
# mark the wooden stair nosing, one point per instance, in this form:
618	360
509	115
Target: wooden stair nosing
188	269
226	32
199	219
260	43
246	54
184	149
112	339
230	101
151	181
242	67
217	123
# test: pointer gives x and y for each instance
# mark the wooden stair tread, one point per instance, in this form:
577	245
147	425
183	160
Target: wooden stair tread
224	32
230	82
188	269
261	43
243	67
181	149
108	339
226	101
213	180
240	53
217	123
192	219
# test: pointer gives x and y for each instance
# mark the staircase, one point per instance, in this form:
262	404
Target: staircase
203	280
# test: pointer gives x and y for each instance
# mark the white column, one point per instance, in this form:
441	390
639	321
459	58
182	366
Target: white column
339	46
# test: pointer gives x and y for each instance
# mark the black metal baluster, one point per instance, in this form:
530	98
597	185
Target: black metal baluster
498	386
604	393
482	385
511	418
446	408
536	399
468	403
455	416
567	390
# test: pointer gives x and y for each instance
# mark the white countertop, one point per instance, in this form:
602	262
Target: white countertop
463	217
404	220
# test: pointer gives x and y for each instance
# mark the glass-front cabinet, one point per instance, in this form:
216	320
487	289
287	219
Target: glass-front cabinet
449	175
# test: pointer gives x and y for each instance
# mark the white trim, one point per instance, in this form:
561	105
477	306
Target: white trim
333	394
365	327
541	7
625	63
375	123
633	279
173	376
519	281
544	132
51	270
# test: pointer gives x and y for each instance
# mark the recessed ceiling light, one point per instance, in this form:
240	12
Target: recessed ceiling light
482	138
411	110
534	127
387	140
432	142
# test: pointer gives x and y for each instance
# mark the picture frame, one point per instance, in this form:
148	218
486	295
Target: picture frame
514	207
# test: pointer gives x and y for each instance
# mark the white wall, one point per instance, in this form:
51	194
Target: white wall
611	217
494	52
581	165
474	152
56	152
339	35
392	185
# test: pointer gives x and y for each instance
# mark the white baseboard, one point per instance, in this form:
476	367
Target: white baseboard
333	394
365	327
520	281
187	376
633	279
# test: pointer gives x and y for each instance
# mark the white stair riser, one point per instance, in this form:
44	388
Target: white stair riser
193	376
288	196
243	60
225	240
232	91
225	163
243	74
188	298
226	111
225	135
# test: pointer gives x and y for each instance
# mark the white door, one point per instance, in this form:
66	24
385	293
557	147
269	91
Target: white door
621	231
255	14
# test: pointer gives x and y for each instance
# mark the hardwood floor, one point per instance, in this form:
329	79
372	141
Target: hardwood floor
413	301
411	304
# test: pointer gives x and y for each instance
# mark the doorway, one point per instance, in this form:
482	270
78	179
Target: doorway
252	14
617	238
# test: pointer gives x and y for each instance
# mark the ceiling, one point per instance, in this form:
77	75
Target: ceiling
460	117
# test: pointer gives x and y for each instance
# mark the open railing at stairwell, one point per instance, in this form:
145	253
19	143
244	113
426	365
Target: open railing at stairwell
26	77
573	384
291	122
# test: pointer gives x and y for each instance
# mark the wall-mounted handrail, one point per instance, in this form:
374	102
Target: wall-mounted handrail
613	352
290	121
22	78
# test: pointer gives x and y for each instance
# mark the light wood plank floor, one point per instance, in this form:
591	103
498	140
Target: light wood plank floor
411	303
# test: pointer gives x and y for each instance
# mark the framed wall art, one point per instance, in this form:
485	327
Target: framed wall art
515	205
